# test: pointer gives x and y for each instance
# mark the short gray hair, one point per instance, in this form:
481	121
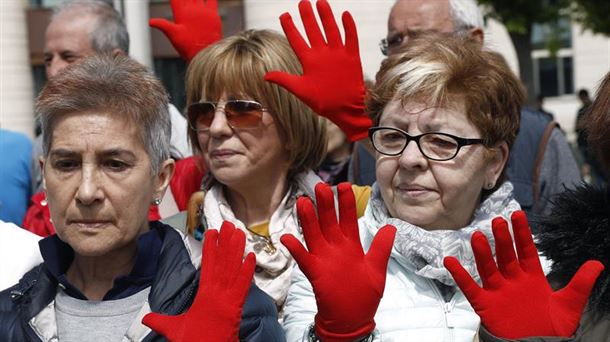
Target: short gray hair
109	32
116	85
465	15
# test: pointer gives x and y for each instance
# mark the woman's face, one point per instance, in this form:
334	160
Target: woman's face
99	183
241	157
435	194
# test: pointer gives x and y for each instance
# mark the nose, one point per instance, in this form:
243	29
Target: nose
220	126
412	158
89	189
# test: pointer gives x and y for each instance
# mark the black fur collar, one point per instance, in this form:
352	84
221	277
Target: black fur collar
577	230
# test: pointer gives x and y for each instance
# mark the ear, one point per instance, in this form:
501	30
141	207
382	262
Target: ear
497	160
166	171
477	34
118	52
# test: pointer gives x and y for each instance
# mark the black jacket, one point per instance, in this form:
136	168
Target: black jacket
577	230
172	292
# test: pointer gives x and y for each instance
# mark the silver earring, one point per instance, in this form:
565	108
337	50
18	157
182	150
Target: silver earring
490	186
157	201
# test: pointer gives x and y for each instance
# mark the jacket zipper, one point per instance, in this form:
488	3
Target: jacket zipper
447	308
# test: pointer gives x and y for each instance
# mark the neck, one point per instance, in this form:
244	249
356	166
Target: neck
94	276
255	202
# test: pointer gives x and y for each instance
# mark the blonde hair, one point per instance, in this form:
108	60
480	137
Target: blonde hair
237	65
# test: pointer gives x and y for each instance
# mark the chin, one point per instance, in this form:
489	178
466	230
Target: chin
418	216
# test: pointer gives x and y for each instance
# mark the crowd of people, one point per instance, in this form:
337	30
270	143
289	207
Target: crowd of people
467	219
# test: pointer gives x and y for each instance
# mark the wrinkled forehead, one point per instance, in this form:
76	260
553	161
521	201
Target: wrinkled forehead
449	117
71	29
420	15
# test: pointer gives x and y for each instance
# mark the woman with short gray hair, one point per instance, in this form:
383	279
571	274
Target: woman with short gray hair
106	132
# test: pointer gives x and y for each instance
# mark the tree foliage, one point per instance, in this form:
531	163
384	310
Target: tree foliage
593	15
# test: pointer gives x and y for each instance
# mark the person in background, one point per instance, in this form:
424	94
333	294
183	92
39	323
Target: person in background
334	168
106	156
15	171
540	107
541	162
591	168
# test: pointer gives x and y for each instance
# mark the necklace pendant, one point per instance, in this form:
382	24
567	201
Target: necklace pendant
270	248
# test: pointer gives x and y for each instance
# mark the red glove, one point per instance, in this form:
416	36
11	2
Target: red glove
347	283
332	83
223	286
516	300
196	25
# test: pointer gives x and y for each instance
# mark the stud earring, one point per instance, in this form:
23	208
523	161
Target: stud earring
157	201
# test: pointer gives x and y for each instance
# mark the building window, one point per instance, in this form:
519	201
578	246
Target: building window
553	72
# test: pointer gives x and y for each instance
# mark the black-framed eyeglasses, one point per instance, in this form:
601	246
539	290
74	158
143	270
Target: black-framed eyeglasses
390	43
239	113
433	145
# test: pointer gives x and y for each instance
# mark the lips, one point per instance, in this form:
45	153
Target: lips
90	224
221	154
414	191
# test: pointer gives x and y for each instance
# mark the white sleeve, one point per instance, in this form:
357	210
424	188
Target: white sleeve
19	253
300	308
179	138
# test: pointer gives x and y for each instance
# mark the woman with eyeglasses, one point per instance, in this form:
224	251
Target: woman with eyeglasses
444	115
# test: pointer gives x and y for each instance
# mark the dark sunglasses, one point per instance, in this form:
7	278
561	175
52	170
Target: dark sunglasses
239	113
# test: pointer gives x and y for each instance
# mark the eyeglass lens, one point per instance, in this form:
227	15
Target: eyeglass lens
432	145
239	114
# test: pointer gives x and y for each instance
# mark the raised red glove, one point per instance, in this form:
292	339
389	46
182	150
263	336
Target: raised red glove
215	314
196	25
348	284
332	84
516	300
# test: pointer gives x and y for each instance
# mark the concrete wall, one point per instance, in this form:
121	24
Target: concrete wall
16	93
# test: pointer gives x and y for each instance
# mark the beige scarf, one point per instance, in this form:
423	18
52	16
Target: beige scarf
273	270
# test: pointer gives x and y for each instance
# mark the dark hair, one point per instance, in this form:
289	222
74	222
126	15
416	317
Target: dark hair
597	123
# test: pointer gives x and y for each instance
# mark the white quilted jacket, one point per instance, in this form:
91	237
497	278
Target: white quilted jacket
412	308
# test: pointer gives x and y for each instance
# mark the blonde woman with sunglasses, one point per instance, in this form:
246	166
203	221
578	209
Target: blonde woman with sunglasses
259	143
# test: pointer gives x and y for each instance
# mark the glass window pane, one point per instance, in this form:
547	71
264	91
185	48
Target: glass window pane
568	75
547	74
171	72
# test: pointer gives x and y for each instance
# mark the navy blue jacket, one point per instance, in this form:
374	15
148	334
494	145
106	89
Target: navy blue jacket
172	292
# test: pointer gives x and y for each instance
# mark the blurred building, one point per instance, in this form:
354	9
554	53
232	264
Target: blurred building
580	62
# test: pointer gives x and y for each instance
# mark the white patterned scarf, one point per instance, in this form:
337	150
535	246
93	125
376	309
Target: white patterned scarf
422	251
273	271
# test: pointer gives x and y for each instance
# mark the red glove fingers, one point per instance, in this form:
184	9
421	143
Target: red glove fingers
196	25
348	284
332	83
215	314
516	300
